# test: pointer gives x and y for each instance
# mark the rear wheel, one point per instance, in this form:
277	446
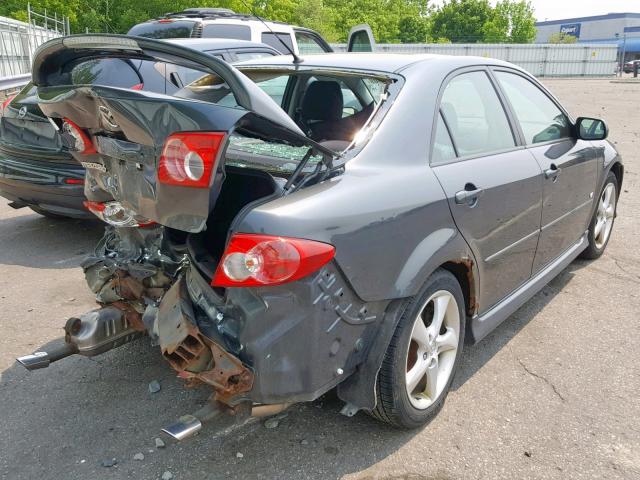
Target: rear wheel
423	355
603	218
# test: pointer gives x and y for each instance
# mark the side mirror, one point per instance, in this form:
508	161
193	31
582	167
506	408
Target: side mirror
591	129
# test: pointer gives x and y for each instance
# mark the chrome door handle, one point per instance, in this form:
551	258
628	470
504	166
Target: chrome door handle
552	172
468	196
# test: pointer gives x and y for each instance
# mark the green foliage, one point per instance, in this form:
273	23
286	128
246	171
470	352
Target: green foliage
413	29
562	37
392	21
512	21
461	20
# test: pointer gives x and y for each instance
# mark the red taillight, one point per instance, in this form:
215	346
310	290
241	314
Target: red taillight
188	158
6	103
257	260
82	141
94	207
138	86
116	214
74	181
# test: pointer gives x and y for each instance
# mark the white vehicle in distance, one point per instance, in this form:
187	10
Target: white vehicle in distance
225	23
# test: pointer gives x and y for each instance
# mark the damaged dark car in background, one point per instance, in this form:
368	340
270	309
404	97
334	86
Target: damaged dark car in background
287	226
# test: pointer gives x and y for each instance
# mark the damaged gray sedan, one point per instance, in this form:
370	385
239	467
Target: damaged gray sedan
287	226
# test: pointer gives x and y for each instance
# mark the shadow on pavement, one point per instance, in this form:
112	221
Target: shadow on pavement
38	242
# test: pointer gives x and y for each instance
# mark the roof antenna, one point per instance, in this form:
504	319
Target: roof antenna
296	58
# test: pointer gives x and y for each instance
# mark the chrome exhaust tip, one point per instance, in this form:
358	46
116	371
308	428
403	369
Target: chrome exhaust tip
34	361
43	359
185	427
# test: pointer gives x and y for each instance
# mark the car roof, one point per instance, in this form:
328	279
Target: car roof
203	44
381	62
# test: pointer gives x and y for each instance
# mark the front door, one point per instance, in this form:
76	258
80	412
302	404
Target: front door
492	185
569	166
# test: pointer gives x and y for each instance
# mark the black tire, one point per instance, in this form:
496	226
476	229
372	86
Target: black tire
592	251
393	405
46	213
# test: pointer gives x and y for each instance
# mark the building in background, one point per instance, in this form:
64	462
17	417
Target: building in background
622	29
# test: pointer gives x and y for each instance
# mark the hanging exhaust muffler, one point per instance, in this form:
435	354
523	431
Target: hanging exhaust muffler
91	334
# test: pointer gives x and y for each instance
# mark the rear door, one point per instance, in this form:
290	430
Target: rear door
569	166
493	185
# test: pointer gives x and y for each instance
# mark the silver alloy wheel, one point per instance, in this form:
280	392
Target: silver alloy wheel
432	349
604	216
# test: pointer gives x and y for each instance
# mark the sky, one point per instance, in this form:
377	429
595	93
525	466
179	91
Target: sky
559	9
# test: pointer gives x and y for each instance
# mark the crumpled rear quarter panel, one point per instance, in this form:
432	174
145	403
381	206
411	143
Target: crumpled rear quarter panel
301	338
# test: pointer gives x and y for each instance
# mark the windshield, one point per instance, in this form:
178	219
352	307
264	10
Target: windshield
164	29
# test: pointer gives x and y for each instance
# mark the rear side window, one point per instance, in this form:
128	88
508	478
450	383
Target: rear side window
163	29
475	117
540	119
111	72
273	40
307	44
222	30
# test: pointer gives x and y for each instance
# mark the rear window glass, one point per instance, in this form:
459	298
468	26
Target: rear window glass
163	29
112	72
221	30
273	40
277	158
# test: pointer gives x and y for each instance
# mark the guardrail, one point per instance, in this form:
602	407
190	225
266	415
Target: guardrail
15	82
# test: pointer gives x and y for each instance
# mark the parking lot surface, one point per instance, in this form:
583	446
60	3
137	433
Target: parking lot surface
554	392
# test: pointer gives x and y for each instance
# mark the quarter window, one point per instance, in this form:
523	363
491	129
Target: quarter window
540	119
442	146
476	119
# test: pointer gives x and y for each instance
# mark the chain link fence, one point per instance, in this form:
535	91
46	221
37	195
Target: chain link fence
541	60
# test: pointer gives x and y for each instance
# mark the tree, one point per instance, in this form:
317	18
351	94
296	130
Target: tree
413	30
512	21
562	37
461	20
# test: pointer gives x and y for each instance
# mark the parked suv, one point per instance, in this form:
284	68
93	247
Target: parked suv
225	23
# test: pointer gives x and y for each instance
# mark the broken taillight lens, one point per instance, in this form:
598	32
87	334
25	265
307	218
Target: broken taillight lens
6	103
188	158
258	260
116	214
81	141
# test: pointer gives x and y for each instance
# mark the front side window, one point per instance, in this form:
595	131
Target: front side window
307	44
475	117
540	119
